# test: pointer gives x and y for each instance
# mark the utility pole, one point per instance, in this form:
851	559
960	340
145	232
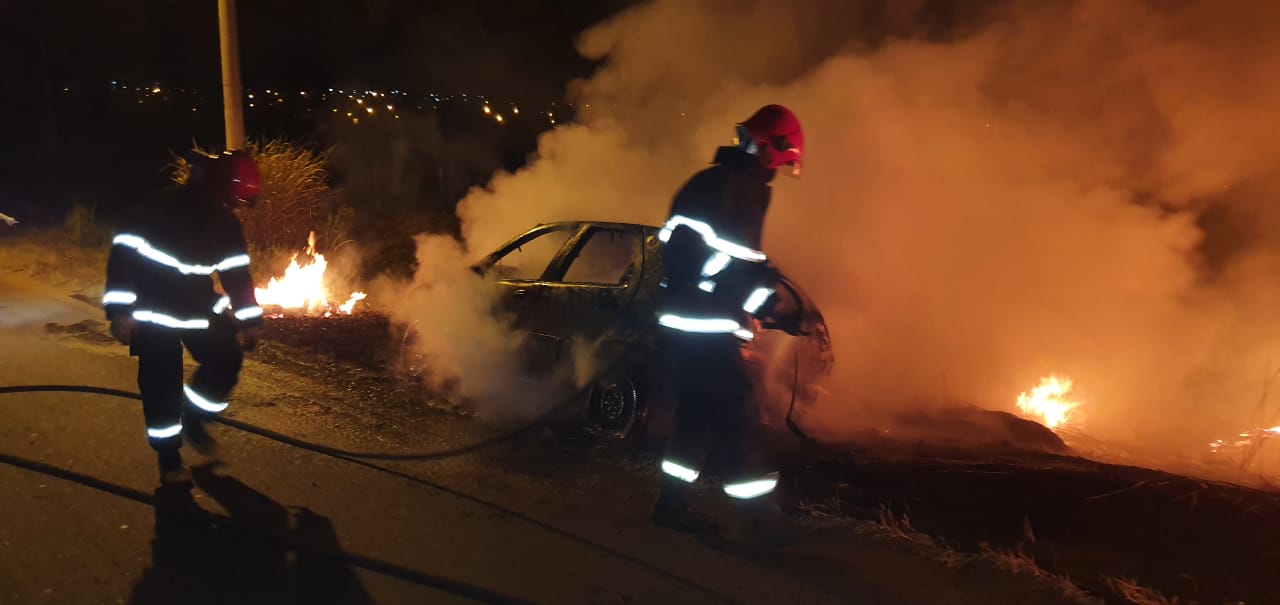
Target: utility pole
232	93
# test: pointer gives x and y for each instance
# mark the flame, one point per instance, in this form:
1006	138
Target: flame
356	297
1049	403
303	286
1243	440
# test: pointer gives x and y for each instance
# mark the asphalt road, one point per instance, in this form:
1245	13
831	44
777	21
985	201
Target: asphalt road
82	520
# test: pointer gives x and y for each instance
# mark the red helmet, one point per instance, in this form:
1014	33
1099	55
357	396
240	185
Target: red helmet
773	134
231	176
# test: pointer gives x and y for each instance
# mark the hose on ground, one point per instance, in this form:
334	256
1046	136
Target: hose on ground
513	434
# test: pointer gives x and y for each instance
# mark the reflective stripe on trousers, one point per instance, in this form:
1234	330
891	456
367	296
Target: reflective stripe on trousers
679	471
741	490
203	403
753	488
164	432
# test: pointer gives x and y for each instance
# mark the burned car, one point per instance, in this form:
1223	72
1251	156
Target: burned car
590	288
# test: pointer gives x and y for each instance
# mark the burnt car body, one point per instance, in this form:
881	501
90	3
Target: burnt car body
589	289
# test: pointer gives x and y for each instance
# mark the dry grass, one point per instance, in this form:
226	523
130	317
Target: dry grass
73	257
1018	562
1132	592
898	527
296	199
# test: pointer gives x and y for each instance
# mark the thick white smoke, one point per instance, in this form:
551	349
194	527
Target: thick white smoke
990	194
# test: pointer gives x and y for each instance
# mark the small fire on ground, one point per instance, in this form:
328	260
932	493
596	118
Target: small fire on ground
1248	439
1049	403
303	287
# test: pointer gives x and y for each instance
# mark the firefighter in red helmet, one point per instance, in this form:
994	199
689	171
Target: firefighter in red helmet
160	297
717	280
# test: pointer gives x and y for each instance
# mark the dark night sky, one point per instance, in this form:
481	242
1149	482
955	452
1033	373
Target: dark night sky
517	50
500	48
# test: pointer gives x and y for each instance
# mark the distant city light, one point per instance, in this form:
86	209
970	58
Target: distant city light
372	101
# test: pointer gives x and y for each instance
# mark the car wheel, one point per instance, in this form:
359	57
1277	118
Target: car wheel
613	405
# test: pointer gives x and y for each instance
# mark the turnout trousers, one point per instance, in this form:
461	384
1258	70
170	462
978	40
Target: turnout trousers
166	401
714	422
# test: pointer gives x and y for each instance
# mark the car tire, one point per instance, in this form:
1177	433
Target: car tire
614	405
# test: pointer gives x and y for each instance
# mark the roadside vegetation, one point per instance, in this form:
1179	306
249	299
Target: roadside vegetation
71	256
298	198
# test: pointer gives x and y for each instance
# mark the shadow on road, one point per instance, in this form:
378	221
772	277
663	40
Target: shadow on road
258	558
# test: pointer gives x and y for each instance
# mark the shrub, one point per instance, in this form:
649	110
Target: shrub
296	198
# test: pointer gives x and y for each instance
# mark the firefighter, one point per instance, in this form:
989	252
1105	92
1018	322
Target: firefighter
160	297
717	281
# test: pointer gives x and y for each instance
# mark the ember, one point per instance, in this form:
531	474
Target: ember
1049	403
303	287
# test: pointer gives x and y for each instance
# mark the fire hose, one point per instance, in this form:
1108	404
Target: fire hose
513	434
537	422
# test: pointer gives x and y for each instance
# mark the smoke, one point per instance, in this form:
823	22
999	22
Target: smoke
992	192
468	346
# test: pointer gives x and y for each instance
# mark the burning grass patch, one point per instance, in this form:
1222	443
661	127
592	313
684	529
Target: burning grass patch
366	339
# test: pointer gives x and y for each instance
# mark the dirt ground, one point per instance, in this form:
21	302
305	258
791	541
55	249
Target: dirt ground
1097	524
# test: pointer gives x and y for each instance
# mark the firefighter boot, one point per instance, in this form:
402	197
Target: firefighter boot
195	431
672	512
172	470
767	527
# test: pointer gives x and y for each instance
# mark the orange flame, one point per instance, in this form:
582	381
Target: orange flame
1243	440
303	286
1049	403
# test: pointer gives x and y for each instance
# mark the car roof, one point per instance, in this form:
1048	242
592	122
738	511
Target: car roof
605	224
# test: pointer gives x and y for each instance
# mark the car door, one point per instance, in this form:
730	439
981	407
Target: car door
587	292
520	270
